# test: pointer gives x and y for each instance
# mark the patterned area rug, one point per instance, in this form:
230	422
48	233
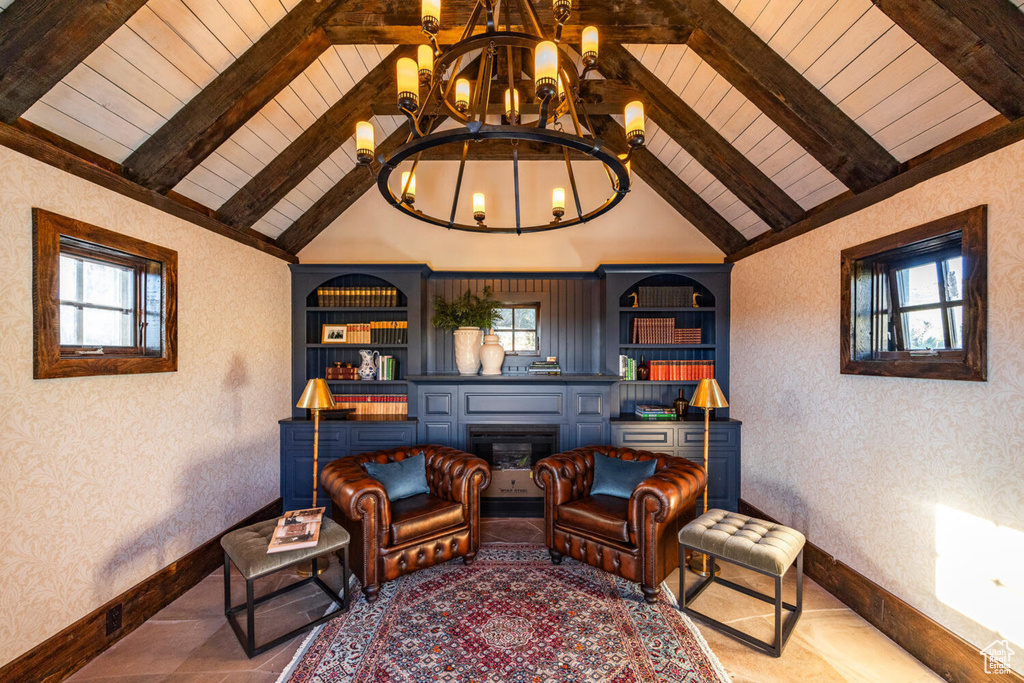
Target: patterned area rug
511	617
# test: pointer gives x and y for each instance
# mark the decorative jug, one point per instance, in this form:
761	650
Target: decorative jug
368	369
491	355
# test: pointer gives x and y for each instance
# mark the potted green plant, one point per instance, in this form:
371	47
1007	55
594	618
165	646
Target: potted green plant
468	315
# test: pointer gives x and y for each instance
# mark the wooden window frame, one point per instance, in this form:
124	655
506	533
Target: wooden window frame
535	305
53	234
860	312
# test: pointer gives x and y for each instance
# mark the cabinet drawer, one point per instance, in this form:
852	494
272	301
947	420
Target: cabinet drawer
643	438
302	435
513	404
693	435
381	436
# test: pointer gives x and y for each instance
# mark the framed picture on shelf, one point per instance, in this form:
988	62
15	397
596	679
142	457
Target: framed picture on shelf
334	334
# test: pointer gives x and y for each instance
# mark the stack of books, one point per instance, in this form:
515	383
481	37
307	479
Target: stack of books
686	335
545	367
357	297
663	331
382	405
627	368
374	332
665	297
651	412
297	529
388	368
681	370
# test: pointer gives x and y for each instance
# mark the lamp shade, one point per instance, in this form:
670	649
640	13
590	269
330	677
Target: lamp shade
590	41
364	136
634	118
558	199
316	396
545	62
708	395
462	93
425	59
408	79
408	186
430	10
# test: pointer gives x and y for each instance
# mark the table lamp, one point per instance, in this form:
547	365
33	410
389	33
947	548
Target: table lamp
708	395
316	397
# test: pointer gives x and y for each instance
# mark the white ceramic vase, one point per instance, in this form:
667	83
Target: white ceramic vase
491	355
467	349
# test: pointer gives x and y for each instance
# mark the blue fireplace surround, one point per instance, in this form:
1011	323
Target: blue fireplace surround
585	320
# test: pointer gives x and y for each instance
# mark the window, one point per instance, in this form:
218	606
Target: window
914	303
517	329
104	303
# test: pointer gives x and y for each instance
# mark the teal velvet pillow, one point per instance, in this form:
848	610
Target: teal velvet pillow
614	477
403	478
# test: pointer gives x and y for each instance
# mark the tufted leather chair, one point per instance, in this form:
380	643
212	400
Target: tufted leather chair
637	539
390	539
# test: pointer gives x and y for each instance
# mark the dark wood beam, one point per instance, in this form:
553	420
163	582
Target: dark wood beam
981	41
673	190
309	150
61	156
780	91
703	142
41	41
222	107
971	145
350	188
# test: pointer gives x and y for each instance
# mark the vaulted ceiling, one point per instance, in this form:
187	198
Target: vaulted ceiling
767	118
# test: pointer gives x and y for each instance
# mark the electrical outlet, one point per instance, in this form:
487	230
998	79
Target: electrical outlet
114	620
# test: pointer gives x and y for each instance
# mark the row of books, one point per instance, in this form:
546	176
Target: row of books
374	332
663	331
627	368
297	529
652	412
668	297
357	297
681	370
545	367
373	404
387	368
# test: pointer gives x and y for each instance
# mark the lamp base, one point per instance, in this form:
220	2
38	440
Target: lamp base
699	565
305	570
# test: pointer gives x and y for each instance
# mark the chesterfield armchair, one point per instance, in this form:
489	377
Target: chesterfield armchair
638	538
390	539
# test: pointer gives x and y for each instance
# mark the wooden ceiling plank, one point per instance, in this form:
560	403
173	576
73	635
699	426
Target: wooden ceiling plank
780	91
703	142
673	190
235	96
62	155
41	41
309	149
981	41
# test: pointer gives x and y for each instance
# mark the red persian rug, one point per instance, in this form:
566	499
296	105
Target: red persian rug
511	617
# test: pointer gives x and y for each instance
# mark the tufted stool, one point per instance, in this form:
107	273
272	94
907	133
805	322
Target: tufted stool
763	547
247	549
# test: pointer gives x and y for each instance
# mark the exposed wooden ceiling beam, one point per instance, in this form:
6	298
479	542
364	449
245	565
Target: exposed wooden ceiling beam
41	41
780	91
222	107
984	139
309	150
106	175
673	190
981	41
702	141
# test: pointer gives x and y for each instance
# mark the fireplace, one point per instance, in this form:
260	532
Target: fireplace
512	450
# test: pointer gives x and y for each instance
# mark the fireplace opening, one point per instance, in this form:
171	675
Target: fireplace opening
512	450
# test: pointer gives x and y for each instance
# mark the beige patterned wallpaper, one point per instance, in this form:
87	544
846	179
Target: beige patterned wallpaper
105	480
917	484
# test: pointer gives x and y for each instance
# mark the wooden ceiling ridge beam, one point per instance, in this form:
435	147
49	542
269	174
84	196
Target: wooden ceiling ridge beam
784	95
235	96
41	41
672	189
705	144
981	41
65	156
310	149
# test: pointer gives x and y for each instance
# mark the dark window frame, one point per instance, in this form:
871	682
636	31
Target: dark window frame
535	305
154	272
870	310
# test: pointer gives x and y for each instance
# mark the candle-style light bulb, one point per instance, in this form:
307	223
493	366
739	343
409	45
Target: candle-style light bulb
512	105
590	46
558	202
479	211
430	16
408	187
462	95
545	68
635	126
408	84
425	60
364	142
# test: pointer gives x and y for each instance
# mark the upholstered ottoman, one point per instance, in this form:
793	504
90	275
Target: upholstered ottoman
247	549
763	547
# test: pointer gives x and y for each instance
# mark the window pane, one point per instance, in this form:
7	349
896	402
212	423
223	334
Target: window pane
526	341
69	332
957	337
954	273
106	328
919	285
68	278
924	329
505	339
504	318
108	285
526	318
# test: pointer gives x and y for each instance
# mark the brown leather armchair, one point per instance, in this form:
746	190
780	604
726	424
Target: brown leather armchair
390	539
637	539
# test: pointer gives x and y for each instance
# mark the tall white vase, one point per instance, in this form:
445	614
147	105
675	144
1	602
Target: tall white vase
467	349
491	355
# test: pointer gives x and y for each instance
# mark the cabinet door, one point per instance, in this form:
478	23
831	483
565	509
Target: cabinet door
438	433
297	490
723	480
590	434
438	401
589	403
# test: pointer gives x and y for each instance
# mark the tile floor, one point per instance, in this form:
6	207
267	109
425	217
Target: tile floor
189	641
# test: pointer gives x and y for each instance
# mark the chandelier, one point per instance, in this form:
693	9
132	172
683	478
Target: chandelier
496	55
